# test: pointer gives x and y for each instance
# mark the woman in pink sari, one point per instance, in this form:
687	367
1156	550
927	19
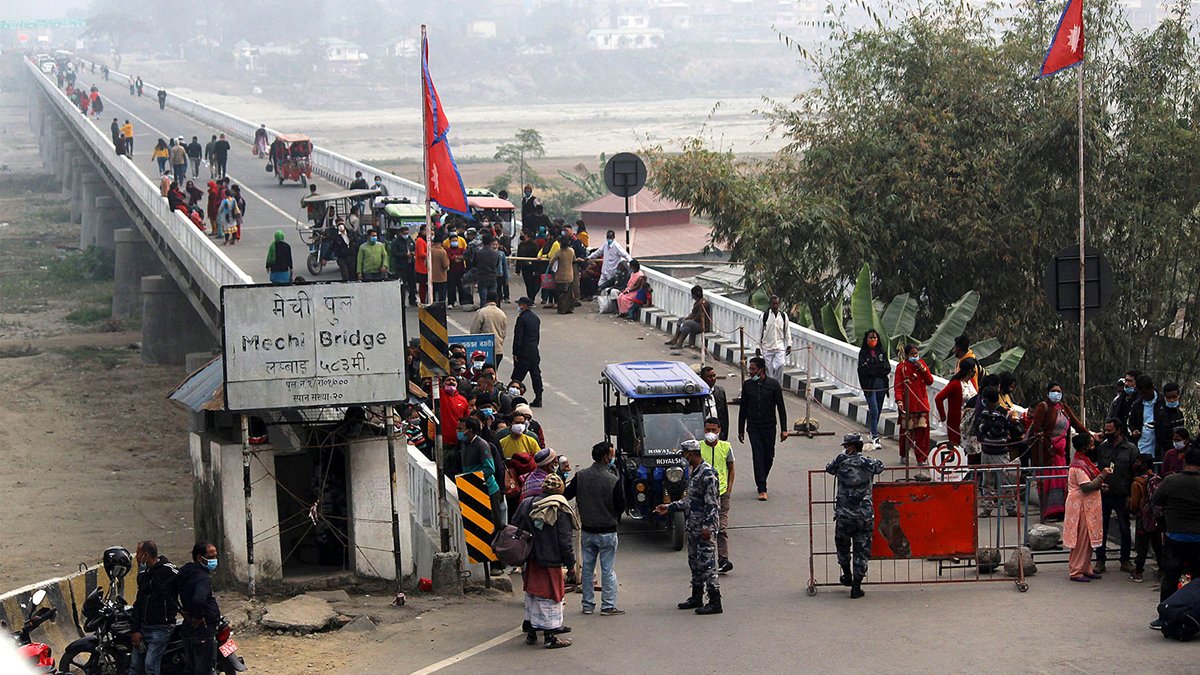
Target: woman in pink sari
1048	436
1083	528
637	291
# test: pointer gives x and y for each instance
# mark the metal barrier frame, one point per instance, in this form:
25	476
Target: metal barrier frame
945	568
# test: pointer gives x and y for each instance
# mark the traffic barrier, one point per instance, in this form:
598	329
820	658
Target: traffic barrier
435	340
926	531
478	527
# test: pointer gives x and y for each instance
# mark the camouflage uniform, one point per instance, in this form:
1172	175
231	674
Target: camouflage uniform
701	506
853	515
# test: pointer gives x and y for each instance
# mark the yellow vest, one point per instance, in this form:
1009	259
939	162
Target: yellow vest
718	457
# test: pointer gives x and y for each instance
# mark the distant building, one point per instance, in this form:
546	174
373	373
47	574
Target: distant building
344	52
613	39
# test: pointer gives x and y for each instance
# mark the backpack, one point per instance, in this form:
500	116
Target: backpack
1180	613
1151	514
993	429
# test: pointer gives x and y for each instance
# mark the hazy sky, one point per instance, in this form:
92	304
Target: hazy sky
20	10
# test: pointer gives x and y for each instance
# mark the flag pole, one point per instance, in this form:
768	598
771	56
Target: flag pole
1082	264
434	385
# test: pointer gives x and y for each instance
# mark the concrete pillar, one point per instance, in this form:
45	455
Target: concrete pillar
134	259
79	168
92	185
109	216
66	162
170	326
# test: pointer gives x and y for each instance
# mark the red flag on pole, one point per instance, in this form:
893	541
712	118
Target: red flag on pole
1066	49
442	179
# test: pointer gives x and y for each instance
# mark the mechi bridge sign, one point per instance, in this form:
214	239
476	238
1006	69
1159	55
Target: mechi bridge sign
323	344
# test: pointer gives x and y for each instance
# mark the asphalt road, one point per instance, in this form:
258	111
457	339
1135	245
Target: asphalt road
269	205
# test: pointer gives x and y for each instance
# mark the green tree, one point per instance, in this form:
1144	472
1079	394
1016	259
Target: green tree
526	146
927	150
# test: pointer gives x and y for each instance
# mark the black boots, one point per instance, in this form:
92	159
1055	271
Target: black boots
846	579
714	603
856	590
697	599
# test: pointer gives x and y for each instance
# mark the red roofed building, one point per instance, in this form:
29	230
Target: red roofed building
646	209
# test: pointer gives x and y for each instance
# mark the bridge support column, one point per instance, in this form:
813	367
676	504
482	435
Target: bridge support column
79	169
134	259
92	185
170	326
62	160
108	216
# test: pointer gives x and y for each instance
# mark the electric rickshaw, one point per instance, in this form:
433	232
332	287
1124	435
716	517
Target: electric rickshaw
290	158
317	222
650	407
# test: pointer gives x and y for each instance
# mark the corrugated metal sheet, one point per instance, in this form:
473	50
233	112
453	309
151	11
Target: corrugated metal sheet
203	389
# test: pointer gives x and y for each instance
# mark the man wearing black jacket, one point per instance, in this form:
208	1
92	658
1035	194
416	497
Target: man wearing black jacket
600	499
526	356
1149	425
154	609
762	398
717	404
193	587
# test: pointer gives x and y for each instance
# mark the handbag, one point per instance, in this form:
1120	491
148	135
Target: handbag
512	545
548	281
270	167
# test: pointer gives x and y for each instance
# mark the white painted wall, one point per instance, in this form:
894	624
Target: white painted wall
371	508
265	505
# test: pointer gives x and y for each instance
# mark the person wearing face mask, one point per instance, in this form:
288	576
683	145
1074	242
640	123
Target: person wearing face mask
762	400
454	408
1173	460
1171	399
1048	437
344	247
853	513
372	259
491	319
1082	528
1119	454
1148	420
201	614
153	617
528	204
527	358
455	247
518	440
776	339
476	456
1122	403
600	500
913	378
719	455
873	370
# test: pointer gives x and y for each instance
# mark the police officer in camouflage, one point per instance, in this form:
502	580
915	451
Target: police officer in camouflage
701	504
853	514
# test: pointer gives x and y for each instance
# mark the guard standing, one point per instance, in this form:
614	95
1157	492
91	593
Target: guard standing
853	513
701	504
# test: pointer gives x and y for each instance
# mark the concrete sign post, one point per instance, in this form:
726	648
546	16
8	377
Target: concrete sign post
625	176
311	345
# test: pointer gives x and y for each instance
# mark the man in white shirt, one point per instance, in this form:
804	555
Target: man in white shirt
776	340
612	254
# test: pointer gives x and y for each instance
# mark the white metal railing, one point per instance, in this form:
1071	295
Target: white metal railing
423	496
833	360
207	264
331	165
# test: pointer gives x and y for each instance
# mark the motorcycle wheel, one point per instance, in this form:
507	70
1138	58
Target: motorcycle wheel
88	662
677	531
314	265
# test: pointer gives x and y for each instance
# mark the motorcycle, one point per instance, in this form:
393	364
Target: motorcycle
36	654
109	647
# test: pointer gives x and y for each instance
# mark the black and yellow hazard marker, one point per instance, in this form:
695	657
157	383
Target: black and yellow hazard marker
435	340
478	528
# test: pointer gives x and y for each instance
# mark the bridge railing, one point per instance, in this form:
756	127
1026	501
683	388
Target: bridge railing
331	165
833	360
423	496
207	264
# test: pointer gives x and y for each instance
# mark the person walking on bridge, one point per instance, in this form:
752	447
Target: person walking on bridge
762	400
179	160
161	154
195	153
372	259
527	358
776	339
127	129
701	504
279	260
221	155
162	98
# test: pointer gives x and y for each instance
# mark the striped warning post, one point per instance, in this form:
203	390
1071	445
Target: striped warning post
435	340
476	507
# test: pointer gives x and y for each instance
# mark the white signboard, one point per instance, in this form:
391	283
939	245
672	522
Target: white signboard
330	344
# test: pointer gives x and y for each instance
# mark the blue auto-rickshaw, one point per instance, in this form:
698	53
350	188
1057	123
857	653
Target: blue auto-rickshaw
650	407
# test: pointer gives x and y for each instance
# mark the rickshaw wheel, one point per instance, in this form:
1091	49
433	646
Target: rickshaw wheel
677	530
314	265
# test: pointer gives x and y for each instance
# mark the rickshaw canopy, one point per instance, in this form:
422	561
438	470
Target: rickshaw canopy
291	138
353	195
405	211
494	203
655	379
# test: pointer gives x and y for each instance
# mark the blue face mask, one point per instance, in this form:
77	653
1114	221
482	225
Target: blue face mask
210	565
1172	404
612	462
1130	390
611	240
566	475
913	359
489	412
462	435
1055	396
374	239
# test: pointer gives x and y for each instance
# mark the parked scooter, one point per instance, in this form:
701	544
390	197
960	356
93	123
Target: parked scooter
109	645
36	654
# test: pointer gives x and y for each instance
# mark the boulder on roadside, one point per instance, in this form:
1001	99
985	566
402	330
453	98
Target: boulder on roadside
1044	537
331	596
1010	566
301	614
988	560
362	624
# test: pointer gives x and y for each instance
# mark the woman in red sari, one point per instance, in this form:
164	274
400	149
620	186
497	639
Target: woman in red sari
1083	527
1048	436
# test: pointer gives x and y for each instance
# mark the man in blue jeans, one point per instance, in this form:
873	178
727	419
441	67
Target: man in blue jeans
154	609
600	499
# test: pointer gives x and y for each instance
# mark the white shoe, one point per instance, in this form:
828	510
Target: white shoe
878	445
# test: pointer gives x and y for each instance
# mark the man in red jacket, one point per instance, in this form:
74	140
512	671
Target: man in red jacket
912	401
454	407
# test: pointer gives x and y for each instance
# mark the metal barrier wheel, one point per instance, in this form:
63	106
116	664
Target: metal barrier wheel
812	589
1022	586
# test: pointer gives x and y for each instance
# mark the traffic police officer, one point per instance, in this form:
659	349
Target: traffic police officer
701	505
853	514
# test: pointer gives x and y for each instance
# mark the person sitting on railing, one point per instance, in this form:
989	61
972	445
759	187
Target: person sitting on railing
698	322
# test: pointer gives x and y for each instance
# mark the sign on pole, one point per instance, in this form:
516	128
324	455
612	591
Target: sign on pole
312	345
484	342
625	175
1062	283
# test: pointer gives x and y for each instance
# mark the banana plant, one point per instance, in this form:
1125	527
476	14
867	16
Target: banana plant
831	321
953	324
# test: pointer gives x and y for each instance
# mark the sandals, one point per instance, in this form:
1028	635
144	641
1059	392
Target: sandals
556	642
